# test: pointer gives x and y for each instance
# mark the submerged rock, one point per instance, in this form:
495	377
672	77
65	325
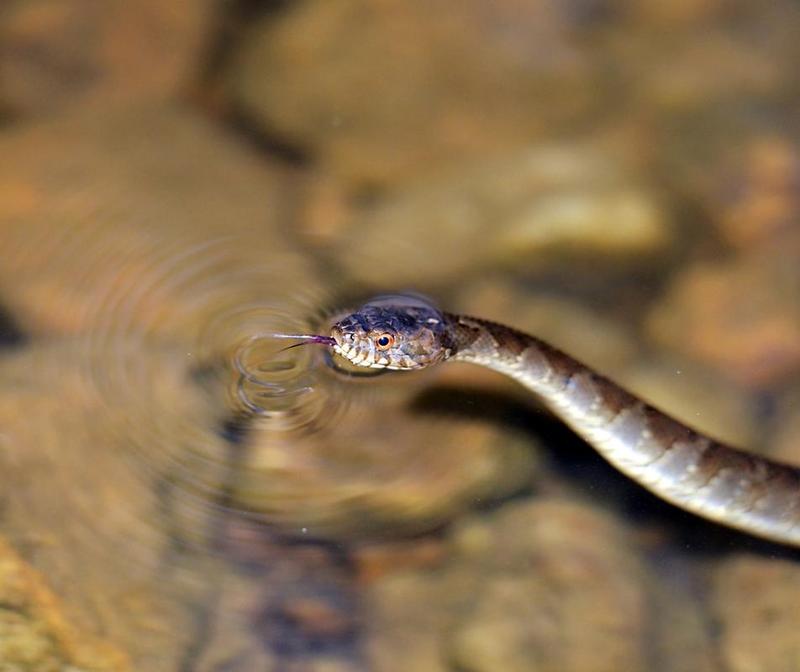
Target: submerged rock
755	604
534	586
146	219
56	57
35	632
561	589
101	467
754	196
740	316
527	210
380	469
380	92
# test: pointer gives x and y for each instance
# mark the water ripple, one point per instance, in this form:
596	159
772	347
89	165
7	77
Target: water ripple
159	322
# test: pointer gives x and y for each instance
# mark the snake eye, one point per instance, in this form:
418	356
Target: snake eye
384	341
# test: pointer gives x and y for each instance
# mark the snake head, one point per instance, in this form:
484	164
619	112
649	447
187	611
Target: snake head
398	332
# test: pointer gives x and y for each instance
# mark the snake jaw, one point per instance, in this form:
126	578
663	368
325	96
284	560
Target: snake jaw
344	346
355	355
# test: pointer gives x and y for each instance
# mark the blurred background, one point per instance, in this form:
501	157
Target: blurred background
620	178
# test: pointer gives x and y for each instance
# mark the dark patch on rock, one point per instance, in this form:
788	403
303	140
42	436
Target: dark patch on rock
10	333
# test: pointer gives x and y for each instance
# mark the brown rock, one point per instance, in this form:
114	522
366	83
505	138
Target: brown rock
378	468
381	91
409	615
528	210
699	67
563	591
144	219
679	72
681	638
739	316
536	585
55	57
102	479
35	634
755	198
755	602
699	78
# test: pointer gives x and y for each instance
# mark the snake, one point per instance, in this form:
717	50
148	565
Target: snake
682	466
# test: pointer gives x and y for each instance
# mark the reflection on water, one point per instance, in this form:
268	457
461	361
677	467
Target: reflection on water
198	497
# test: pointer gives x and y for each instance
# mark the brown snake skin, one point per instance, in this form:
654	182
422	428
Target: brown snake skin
692	471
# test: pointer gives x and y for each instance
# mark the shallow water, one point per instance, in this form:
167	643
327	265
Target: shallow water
180	492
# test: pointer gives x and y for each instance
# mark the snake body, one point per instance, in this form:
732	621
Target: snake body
718	482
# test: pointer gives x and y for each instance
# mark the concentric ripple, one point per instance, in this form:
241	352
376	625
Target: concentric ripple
166	350
289	386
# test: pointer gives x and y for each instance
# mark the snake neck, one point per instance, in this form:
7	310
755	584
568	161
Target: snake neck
675	462
493	345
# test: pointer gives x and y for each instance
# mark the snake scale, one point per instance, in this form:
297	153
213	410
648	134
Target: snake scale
718	482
